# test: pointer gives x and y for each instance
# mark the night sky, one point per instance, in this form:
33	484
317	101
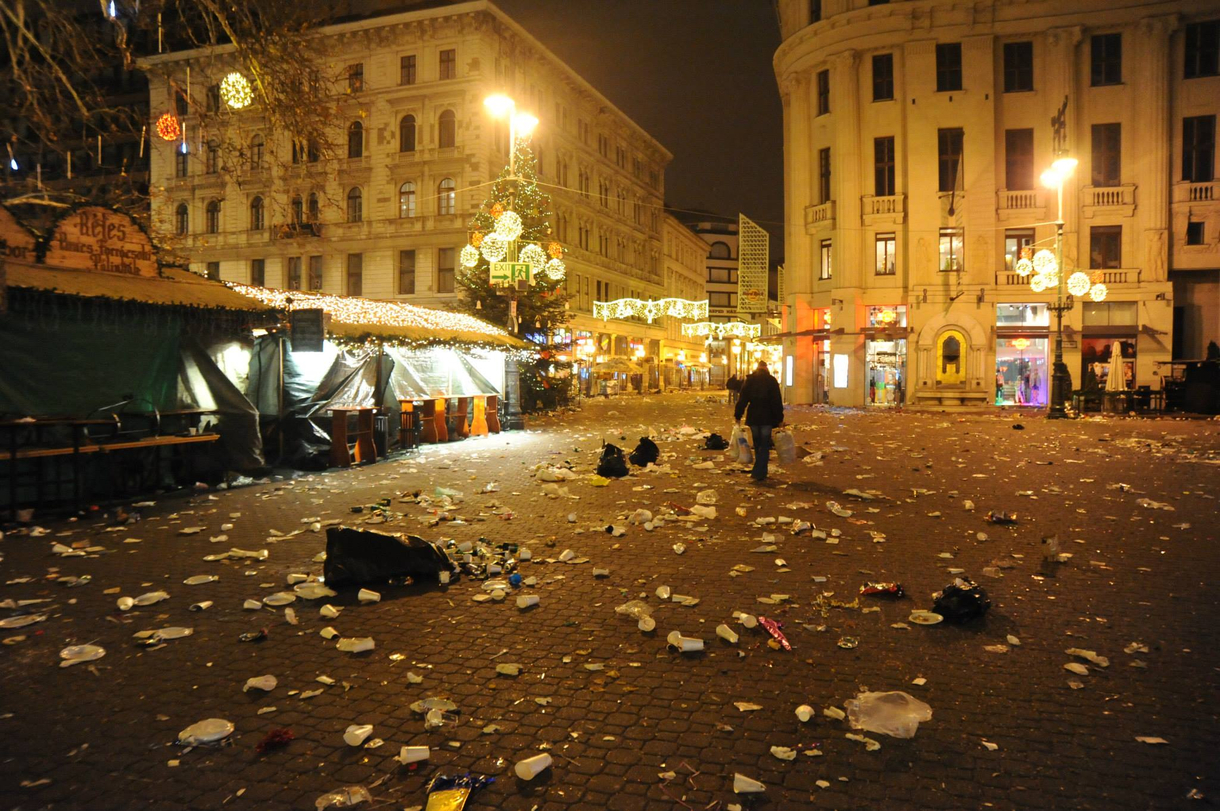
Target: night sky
696	74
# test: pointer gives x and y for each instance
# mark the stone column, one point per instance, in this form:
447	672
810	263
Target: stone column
798	194
1152	77
848	169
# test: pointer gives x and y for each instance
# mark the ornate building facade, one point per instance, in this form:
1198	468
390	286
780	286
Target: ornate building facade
915	134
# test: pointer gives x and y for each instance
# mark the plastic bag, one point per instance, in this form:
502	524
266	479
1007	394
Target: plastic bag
646	453
343	798
636	609
744	455
896	714
613	464
785	447
961	601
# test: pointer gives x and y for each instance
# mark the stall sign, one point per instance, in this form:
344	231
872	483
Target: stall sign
96	238
308	330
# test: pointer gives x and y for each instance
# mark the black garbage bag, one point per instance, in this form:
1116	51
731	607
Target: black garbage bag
646	453
613	464
715	442
355	556
962	600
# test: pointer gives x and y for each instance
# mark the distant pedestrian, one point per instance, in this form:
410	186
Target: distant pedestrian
763	406
734	387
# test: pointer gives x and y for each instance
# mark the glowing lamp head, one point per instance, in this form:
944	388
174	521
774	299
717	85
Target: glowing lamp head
1060	171
499	105
524	124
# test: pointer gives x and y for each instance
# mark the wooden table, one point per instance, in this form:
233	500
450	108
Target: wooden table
434	427
348	445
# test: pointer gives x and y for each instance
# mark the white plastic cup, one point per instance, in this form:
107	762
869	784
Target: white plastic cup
685	644
524	554
204	606
465	546
749	620
413	754
726	633
356	644
526	601
498	595
647	624
531	767
744	785
804	713
368	596
444	577
663	592
357	733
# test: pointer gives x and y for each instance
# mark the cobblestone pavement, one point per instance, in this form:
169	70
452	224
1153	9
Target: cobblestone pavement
615	706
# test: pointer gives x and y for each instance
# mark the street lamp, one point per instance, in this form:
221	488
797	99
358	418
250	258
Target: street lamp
519	124
1061	378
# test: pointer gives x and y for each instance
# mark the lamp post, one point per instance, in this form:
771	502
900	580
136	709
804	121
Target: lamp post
1061	378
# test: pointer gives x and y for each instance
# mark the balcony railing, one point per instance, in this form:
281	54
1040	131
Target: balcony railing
889	204
1110	277
1187	192
293	230
821	217
1110	196
1007	200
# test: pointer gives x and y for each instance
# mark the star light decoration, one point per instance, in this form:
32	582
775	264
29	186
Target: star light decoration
236	91
1045	272
168	127
719	329
634	307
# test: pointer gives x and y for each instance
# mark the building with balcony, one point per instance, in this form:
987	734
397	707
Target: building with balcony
915	134
386	216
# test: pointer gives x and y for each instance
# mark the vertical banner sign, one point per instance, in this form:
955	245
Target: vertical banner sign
308	330
755	259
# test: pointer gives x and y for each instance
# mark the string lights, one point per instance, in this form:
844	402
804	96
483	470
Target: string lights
649	309
236	91
1045	275
719	329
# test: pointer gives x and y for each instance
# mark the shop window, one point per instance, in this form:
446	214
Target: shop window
1099	359
952	250
406	273
1014	240
1022	315
951	358
1106	246
315	273
885	254
887	316
1021	371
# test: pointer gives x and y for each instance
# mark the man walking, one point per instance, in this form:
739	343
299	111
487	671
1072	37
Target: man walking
763	406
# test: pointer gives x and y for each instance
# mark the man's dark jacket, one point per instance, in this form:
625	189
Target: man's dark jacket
760	400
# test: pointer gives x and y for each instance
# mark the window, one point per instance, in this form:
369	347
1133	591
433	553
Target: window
355	274
1016	239
257	218
1202	49
823	92
406	273
1106	59
446	201
815	11
448	64
355	140
1018	67
1107	154
1199	148
182	159
315	214
447	130
315	273
886	245
1106	246
355	77
824	266
883	77
1194	233
824	173
312	152
1019	159
948	66
406	69
213	98
952	250
949	147
355	205
181	105
294	273
883	166
298	152
258	272
406	134
720	250
444	269
214	270
298	210
406	200
182	220
722	275
213	159
718	299
256	153
212	222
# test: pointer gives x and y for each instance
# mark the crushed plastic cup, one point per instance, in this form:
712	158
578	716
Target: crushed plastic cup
343	798
896	714
290	616
279	598
498	595
296	577
203	606
566	555
804	713
356	734
200	579
663	592
329	611
531	767
746	785
413	754
356	644
685	644
151	597
75	654
527	601
313	591
208	730
368	596
125	603
726	633
264	683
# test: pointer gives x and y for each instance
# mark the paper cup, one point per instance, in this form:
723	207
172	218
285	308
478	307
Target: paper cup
726	633
531	767
749	620
413	754
527	600
444	578
524	554
744	785
804	713
647	624
368	596
685	644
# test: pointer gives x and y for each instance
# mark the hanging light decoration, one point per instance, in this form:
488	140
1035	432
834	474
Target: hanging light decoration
496	210
634	307
533	254
494	247
716	330
555	269
469	256
1024	267
168	127
1098	293
1038	283
476	239
1078	283
236	91
555	250
1043	261
509	226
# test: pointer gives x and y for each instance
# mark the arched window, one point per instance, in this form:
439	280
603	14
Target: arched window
182	220
256	153
447	130
720	250
446	201
315	213
355	140
298	210
406	134
213	217
256	214
406	200
355	205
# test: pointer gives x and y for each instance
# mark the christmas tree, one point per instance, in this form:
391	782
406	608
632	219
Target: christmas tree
513	225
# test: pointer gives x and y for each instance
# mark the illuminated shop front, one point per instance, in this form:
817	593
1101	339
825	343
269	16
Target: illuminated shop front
1022	365
886	355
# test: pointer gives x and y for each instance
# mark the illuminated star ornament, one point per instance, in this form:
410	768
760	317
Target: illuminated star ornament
718	330
236	91
649	309
168	127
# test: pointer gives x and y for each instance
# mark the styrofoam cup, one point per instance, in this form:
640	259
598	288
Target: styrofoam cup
686	644
527	600
444	577
647	624
726	633
413	754
744	785
531	767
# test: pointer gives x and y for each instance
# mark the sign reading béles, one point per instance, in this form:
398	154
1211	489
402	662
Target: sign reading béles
96	238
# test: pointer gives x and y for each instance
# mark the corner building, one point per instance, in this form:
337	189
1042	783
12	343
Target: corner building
915	134
386	216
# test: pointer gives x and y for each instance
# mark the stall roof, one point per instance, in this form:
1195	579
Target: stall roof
174	287
356	318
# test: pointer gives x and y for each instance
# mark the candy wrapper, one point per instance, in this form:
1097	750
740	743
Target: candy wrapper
773	628
1002	518
882	590
451	793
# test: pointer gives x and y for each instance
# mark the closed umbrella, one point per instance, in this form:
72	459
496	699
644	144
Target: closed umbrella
1117	379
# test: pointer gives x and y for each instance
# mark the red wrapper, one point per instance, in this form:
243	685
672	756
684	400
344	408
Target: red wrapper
773	628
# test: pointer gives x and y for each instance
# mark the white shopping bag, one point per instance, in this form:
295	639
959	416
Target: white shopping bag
785	447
